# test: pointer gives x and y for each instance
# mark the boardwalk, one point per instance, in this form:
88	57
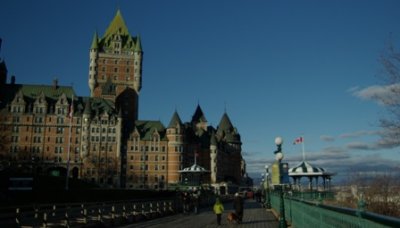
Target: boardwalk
254	217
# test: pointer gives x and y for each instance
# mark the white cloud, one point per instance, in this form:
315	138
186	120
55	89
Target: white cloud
384	143
383	95
359	134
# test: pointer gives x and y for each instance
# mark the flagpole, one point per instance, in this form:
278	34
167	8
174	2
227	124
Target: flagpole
71	116
302	145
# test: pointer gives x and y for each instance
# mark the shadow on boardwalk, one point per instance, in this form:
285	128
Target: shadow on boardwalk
254	216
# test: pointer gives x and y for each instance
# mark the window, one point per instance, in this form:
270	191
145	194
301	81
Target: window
60	120
16	119
15	129
60	130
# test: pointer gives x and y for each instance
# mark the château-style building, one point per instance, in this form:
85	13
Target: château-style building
48	129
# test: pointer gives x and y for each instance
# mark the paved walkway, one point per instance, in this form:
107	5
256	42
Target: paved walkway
254	217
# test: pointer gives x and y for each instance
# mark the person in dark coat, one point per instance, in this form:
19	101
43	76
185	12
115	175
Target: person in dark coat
238	206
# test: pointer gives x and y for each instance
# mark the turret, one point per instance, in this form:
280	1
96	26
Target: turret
93	64
213	156
175	128
175	148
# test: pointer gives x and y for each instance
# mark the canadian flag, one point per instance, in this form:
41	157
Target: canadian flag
71	109
298	140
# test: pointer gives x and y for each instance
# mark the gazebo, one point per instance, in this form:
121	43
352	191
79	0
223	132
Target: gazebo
305	169
193	175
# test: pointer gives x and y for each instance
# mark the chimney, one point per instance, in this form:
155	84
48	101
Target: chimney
55	83
12	80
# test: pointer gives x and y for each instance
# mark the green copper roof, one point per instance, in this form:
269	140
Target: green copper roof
117	25
175	120
32	91
95	41
117	31
98	106
138	46
146	129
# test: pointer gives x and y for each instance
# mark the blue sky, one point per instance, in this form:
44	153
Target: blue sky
279	68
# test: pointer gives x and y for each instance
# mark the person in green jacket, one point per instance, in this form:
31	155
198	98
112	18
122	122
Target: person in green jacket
218	209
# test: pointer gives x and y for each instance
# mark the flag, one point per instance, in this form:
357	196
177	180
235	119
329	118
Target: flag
71	109
298	140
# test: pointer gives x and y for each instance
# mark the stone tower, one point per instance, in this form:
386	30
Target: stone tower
115	68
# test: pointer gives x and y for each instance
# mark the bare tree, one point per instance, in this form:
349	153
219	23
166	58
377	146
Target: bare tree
390	60
382	196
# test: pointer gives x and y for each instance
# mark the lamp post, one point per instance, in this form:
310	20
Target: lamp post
268	199
279	156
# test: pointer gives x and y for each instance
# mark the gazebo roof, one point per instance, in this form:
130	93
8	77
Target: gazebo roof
194	169
306	169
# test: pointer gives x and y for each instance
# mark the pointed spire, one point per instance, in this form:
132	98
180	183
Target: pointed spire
117	25
175	120
138	46
198	115
95	41
225	123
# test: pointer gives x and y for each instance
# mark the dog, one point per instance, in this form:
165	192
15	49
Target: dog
232	217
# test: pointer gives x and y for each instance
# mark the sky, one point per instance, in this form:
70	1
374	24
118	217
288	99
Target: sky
277	68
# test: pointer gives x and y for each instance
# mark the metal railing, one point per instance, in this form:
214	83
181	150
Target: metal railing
305	213
72	215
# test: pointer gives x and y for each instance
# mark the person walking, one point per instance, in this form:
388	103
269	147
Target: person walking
218	209
238	206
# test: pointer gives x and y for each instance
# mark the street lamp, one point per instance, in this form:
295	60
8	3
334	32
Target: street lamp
268	199
279	156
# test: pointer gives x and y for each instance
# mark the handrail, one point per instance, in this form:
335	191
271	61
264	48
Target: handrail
325	215
89	212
